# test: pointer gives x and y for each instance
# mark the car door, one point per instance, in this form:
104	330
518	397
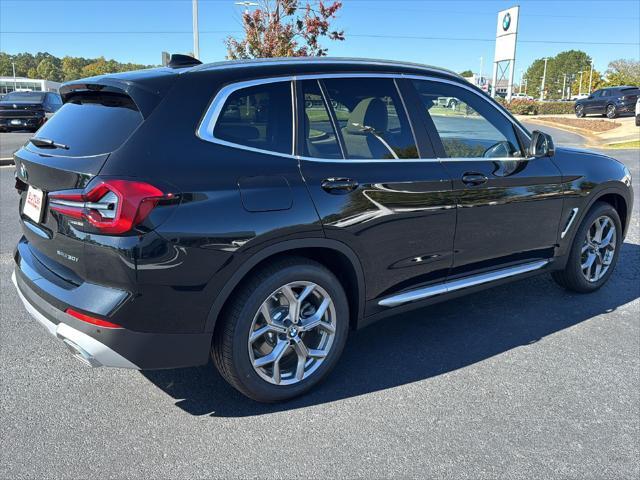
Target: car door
509	206
596	101
376	187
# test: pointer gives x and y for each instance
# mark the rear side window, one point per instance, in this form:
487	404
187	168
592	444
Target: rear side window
371	118
92	123
258	117
320	138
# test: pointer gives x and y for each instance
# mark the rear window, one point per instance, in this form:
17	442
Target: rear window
23	97
92	123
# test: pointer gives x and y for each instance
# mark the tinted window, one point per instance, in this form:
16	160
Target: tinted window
55	99
258	117
371	118
468	125
25	97
320	139
91	124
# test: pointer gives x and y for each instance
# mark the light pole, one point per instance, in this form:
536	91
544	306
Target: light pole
246	4
564	85
580	87
590	76
544	77
520	89
481	65
196	39
15	85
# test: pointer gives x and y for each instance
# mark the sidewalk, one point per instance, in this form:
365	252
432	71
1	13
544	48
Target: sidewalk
626	130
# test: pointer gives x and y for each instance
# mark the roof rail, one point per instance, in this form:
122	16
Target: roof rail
180	61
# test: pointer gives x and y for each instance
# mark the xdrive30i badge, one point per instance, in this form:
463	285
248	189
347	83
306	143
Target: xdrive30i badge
67	256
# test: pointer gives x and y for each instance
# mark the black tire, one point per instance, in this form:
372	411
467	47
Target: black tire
637	120
230	343
611	111
579	111
571	277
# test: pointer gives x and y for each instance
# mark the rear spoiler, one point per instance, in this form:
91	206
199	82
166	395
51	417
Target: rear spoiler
146	88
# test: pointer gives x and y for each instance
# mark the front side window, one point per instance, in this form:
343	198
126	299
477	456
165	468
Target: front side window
258	117
467	124
371	118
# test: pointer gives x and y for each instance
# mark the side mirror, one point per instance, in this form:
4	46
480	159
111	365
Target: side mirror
541	145
590	97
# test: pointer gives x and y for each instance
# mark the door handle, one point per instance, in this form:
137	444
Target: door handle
339	185
473	179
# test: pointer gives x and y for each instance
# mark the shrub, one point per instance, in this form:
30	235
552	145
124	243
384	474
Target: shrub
555	108
533	107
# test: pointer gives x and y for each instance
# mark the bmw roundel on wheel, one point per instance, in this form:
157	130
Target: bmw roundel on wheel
287	203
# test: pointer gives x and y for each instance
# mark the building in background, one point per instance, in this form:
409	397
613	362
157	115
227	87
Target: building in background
22	84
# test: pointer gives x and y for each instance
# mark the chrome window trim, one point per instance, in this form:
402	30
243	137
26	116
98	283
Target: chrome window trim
206	126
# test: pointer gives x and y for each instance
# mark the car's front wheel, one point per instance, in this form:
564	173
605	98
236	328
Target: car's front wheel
579	111
283	331
594	251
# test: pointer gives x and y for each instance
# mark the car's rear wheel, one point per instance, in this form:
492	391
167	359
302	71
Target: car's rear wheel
579	111
611	111
637	120
594	251
283	332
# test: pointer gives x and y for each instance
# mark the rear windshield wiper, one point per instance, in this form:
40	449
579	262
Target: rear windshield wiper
47	143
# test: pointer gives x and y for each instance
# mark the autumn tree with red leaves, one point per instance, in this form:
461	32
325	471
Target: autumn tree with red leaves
285	28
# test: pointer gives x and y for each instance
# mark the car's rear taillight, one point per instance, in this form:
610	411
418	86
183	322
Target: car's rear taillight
111	206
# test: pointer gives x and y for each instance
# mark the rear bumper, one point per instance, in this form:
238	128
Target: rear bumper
10	123
109	347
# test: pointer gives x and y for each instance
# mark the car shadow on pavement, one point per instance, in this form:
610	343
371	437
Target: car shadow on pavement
423	344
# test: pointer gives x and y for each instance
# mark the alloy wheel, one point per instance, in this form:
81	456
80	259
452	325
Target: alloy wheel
292	333
611	111
579	110
598	249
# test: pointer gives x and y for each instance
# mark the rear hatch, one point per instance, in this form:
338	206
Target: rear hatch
64	157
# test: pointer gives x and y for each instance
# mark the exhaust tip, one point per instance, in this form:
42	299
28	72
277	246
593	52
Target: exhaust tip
81	354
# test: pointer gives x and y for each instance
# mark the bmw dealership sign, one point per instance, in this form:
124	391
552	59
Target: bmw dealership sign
505	55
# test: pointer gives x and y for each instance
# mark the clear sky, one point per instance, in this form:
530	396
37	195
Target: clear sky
455	33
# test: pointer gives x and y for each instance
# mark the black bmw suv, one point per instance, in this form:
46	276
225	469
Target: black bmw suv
27	110
258	211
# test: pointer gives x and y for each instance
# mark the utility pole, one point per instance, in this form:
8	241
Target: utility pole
590	76
481	65
564	85
580	87
544	77
520	89
196	39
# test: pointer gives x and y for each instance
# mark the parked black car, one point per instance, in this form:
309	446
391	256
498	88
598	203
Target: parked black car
27	110
260	210
611	102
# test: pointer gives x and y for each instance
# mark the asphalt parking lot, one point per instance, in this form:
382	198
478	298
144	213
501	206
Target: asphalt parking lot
520	381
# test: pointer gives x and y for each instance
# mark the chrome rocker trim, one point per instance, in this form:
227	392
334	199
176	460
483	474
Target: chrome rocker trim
453	285
87	349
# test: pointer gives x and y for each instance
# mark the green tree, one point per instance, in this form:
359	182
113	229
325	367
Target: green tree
563	67
285	28
623	72
466	74
47	70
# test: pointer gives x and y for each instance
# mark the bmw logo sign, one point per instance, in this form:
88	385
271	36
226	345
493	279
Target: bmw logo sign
506	21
